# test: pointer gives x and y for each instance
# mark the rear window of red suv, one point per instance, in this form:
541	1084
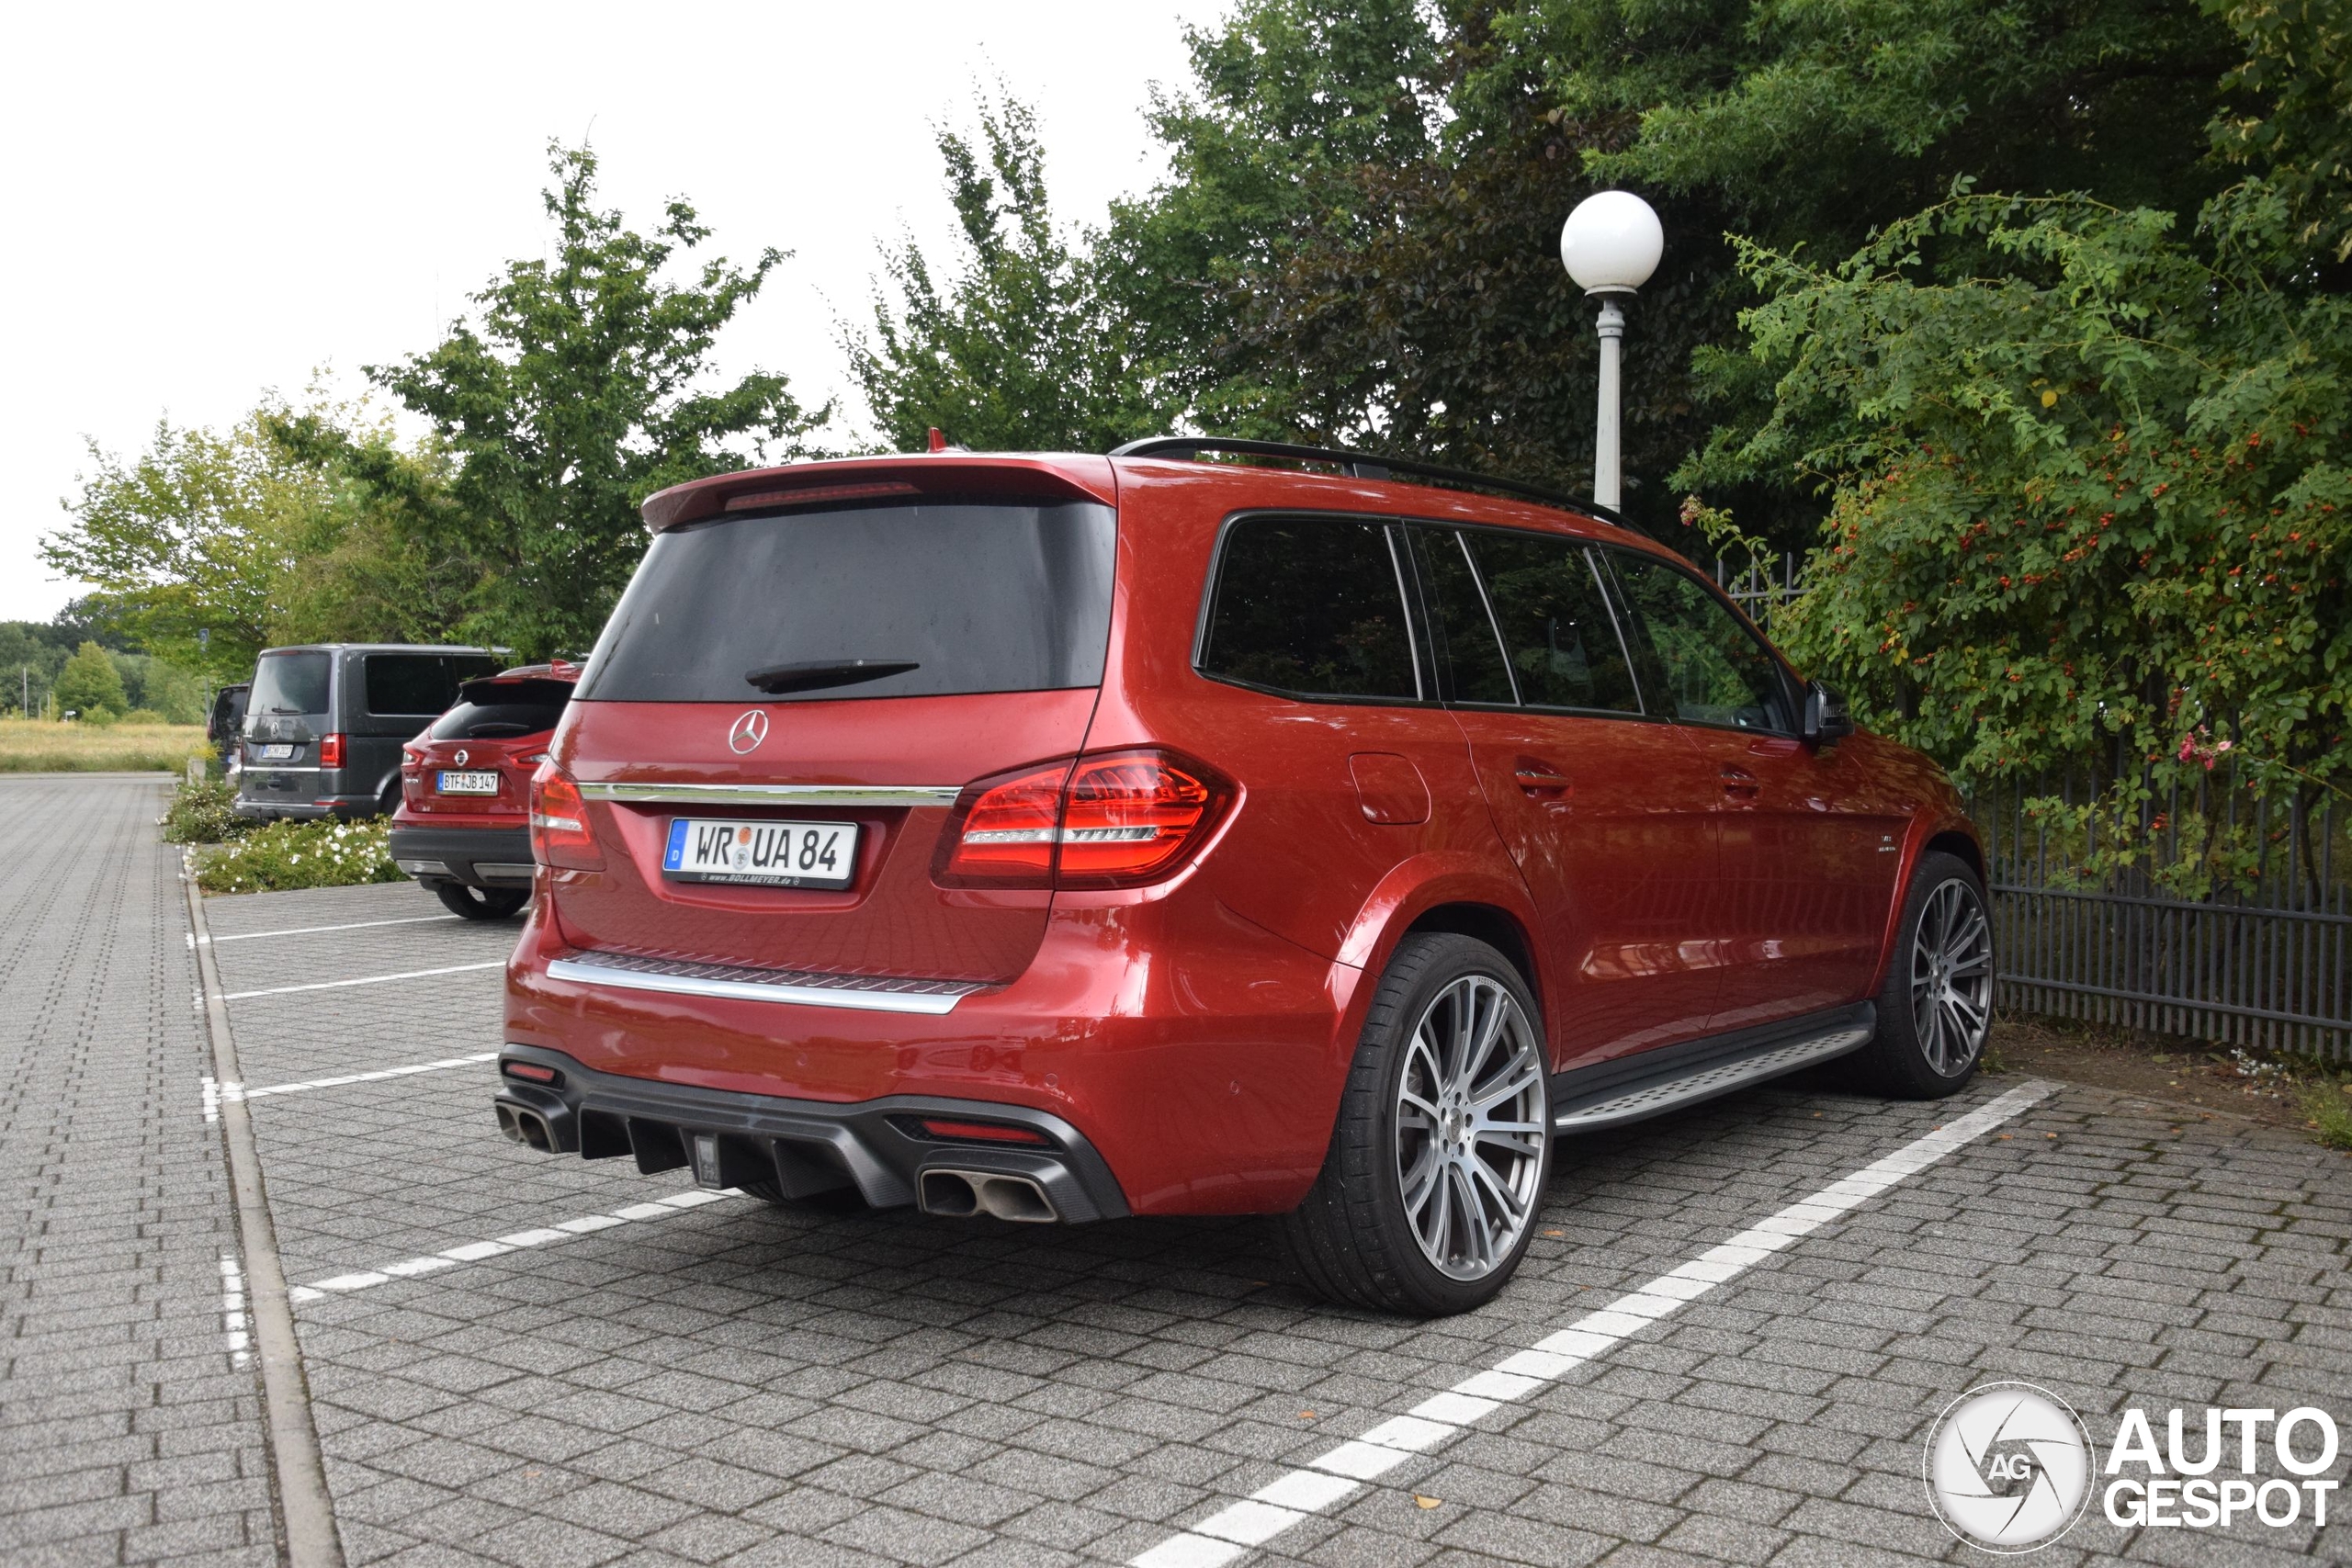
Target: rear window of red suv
928	600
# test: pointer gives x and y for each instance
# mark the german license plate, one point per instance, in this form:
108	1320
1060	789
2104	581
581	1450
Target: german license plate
467	783
766	854
277	753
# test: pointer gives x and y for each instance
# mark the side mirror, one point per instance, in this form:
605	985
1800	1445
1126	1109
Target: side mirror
1826	719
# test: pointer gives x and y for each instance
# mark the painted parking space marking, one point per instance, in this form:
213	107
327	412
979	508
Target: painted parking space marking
220	1094
474	1251
1334	1477
236	1332
306	931
365	980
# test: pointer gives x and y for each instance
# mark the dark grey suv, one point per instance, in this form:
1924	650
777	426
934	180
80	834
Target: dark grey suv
325	724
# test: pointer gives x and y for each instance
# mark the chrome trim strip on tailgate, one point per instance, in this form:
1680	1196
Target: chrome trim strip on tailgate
773	794
869	993
1651	1098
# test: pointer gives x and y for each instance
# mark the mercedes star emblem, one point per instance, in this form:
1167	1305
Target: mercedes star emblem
749	731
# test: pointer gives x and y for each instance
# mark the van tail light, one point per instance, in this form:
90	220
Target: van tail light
559	832
330	751
1112	819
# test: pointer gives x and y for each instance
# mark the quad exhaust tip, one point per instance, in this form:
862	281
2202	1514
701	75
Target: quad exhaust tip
524	1125
961	1194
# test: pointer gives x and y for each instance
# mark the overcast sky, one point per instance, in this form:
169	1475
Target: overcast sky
208	200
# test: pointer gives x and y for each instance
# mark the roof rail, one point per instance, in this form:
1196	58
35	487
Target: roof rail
1369	466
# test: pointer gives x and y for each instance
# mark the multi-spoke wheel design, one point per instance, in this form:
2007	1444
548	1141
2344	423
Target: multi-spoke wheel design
1935	1008
1952	978
1469	1127
1428	1192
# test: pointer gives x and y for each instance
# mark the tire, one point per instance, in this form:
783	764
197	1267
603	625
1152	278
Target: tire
1356	1239
481	903
1936	1008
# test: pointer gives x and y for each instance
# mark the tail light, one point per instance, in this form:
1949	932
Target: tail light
560	831
1117	819
330	751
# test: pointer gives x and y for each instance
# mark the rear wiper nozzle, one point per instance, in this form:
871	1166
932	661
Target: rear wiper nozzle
777	679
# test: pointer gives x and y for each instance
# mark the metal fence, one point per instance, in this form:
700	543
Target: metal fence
2260	961
2261	958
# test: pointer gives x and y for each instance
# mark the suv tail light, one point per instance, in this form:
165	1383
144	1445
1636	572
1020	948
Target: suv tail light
559	832
1112	820
330	751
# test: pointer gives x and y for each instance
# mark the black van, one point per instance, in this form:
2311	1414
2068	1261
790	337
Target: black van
325	724
224	726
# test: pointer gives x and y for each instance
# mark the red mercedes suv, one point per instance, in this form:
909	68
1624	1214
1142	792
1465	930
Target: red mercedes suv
1055	838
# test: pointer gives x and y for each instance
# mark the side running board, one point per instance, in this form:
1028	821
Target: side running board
1685	1082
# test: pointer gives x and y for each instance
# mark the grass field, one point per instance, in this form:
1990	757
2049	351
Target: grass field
32	746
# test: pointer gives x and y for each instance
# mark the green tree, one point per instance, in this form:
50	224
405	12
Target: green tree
90	686
1358	238
188	542
579	390
2086	466
1022	350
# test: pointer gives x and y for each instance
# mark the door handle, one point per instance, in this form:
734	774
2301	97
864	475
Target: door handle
1738	782
1541	778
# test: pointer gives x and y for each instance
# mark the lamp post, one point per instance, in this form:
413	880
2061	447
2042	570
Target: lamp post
1611	244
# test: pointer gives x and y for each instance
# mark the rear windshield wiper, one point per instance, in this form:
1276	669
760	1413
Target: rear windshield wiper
778	679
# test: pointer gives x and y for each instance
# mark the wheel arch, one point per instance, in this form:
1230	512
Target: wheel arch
1960	845
1498	927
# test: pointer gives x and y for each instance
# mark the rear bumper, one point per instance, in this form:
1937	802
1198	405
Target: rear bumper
480	857
1199	1056
303	802
877	1147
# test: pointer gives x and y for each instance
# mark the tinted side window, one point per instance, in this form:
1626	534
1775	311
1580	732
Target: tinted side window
1311	605
1699	660
1556	623
1472	660
420	685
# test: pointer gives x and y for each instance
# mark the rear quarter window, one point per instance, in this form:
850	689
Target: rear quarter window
1313	607
934	599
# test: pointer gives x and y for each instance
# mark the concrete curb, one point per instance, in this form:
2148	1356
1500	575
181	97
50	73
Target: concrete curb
304	1504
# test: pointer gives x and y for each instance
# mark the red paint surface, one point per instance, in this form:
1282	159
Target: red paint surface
1197	1030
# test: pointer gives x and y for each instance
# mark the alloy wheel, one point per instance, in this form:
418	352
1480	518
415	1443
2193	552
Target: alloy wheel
1470	1130
1952	978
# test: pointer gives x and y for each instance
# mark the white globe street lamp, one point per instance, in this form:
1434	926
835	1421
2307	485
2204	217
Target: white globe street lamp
1611	244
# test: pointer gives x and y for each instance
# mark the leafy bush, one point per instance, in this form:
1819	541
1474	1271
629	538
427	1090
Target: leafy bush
143	715
200	814
286	855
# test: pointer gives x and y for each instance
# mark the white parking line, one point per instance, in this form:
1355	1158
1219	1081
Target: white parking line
219	1094
1340	1474
369	980
474	1251
306	931
234	1334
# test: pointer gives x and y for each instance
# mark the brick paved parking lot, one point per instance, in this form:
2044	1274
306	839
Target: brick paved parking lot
621	1379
